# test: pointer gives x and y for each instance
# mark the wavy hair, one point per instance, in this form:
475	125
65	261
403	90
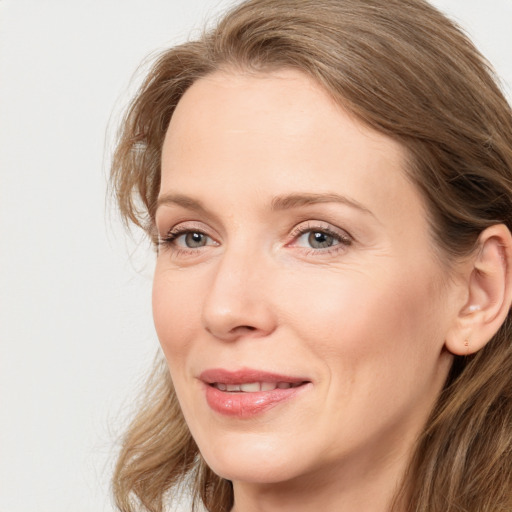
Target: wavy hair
404	69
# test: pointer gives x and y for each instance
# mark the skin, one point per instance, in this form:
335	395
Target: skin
364	320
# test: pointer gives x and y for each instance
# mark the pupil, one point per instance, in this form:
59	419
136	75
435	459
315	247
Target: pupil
319	240
194	240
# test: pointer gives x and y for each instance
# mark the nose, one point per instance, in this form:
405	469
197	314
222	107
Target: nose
239	302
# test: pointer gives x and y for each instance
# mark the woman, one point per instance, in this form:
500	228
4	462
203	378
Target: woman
329	188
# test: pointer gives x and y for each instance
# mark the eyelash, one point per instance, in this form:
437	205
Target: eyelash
169	242
343	239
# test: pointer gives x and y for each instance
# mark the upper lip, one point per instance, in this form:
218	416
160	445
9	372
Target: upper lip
245	376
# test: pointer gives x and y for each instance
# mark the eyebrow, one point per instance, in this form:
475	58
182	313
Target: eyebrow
289	201
180	200
278	203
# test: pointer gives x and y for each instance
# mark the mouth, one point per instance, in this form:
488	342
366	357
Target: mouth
247	393
254	387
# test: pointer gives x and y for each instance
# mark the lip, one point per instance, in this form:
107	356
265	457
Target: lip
246	405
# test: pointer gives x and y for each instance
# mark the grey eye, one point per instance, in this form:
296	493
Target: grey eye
320	240
194	239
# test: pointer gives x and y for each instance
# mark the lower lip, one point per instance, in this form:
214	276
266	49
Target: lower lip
246	405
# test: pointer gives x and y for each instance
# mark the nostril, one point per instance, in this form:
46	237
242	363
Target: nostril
242	328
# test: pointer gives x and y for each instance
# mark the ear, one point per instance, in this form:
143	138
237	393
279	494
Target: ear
489	292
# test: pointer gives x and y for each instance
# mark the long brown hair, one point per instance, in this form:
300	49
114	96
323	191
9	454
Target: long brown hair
407	71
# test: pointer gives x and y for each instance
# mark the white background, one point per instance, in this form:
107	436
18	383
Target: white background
76	334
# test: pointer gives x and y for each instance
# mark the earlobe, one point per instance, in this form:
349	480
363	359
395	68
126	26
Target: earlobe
489	293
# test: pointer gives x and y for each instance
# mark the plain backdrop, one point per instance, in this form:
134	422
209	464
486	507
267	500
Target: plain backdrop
76	334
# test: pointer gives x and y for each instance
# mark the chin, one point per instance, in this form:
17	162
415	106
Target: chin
260	461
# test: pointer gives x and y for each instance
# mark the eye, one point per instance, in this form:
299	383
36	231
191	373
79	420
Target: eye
318	237
191	240
183	238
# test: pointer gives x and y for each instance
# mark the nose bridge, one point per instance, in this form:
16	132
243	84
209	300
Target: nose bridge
238	299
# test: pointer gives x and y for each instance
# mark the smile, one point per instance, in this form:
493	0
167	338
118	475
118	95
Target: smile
254	387
247	393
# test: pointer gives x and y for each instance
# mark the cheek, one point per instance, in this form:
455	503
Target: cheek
375	342
359	316
176	311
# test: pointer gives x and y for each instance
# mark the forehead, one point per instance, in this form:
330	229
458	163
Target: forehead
275	131
282	121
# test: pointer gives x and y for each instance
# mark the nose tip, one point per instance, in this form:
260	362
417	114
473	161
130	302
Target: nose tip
237	320
238	304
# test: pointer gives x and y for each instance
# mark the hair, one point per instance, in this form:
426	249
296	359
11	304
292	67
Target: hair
405	70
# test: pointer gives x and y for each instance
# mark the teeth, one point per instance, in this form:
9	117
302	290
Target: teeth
253	387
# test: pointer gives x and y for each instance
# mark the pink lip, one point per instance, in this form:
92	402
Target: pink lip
246	405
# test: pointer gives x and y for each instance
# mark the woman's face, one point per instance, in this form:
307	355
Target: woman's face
297	294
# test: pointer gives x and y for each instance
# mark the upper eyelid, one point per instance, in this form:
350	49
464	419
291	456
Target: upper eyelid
191	225
186	229
312	225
